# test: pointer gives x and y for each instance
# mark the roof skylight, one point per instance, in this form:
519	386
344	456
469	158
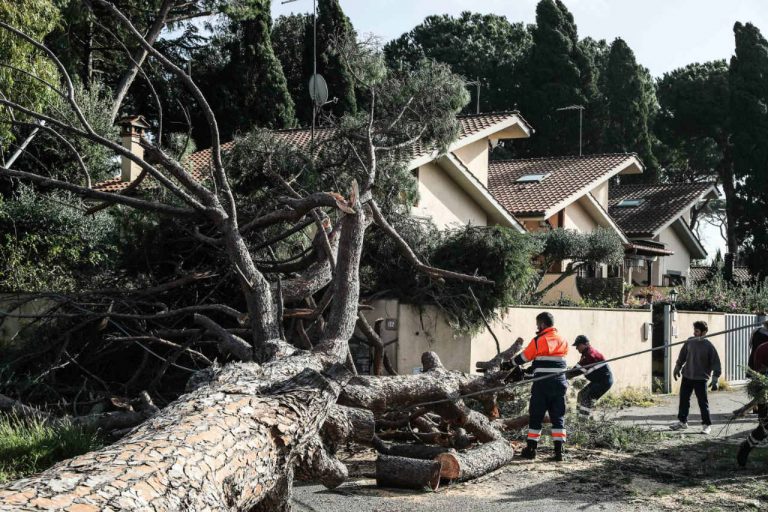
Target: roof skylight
630	203
531	178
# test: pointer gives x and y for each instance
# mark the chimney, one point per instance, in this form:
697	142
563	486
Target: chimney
131	130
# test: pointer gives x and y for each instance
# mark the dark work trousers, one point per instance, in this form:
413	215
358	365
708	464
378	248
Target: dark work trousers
758	435
688	387
547	396
591	393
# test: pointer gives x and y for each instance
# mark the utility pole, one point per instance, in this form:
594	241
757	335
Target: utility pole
314	61
580	108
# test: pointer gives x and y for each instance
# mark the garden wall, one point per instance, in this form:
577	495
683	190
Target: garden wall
613	331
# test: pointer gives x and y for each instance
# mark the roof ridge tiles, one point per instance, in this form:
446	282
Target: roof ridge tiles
564	157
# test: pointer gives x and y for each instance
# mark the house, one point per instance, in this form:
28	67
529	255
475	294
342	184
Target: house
452	186
570	192
656	220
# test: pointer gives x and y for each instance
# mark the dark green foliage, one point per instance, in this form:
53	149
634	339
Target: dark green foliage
289	36
49	156
749	97
497	253
630	107
334	31
47	244
599	246
30	446
484	46
244	79
555	78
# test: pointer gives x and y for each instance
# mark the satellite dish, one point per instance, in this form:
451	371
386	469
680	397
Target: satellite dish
318	89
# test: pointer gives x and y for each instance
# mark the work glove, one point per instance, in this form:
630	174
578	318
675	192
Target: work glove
676	374
714	386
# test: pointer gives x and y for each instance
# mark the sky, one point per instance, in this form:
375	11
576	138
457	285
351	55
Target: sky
664	34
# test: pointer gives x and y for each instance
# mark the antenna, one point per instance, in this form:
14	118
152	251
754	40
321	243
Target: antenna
580	108
317	87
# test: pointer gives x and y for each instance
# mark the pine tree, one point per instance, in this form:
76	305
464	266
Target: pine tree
554	79
749	97
476	46
630	106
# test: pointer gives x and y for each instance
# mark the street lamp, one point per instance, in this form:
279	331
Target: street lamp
672	297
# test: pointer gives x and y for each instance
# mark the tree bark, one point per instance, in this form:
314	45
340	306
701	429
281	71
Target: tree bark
476	462
405	473
225	446
138	58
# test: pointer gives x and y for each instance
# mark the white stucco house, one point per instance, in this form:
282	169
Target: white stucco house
659	216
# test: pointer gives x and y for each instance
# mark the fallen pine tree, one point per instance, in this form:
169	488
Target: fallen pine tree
286	396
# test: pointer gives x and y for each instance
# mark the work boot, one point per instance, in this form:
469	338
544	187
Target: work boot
743	454
558	457
529	452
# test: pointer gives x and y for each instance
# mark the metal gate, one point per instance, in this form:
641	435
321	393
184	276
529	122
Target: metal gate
737	345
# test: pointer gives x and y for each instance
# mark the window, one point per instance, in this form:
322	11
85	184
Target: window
531	178
630	203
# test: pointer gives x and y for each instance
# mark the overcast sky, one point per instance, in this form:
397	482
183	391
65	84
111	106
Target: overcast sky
665	34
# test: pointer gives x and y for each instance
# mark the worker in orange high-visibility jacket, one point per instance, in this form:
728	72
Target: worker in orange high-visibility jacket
546	352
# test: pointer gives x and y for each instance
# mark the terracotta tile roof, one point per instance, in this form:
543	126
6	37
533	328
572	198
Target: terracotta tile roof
660	205
698	275
199	161
565	177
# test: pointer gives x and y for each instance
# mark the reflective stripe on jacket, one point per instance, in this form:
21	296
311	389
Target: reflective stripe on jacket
546	351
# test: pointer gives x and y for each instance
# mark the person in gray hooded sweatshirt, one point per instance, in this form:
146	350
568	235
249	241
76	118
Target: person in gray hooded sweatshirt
698	362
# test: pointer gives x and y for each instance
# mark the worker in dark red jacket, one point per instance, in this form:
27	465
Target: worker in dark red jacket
593	366
759	362
546	352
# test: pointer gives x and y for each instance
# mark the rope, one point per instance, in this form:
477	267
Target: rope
551	375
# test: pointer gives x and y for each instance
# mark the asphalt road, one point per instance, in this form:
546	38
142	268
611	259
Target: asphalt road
582	483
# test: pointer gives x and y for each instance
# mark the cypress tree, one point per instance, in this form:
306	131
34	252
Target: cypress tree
262	97
629	105
749	97
553	80
333	30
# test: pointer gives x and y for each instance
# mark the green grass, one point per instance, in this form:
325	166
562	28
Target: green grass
629	397
30	446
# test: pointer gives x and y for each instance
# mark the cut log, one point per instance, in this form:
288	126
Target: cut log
463	466
405	473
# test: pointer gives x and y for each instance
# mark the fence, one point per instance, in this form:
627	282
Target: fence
737	345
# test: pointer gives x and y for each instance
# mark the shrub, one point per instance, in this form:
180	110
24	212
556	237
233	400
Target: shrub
46	241
30	446
719	295
495	252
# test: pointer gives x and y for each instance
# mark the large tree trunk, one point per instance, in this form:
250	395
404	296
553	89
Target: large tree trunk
225	446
